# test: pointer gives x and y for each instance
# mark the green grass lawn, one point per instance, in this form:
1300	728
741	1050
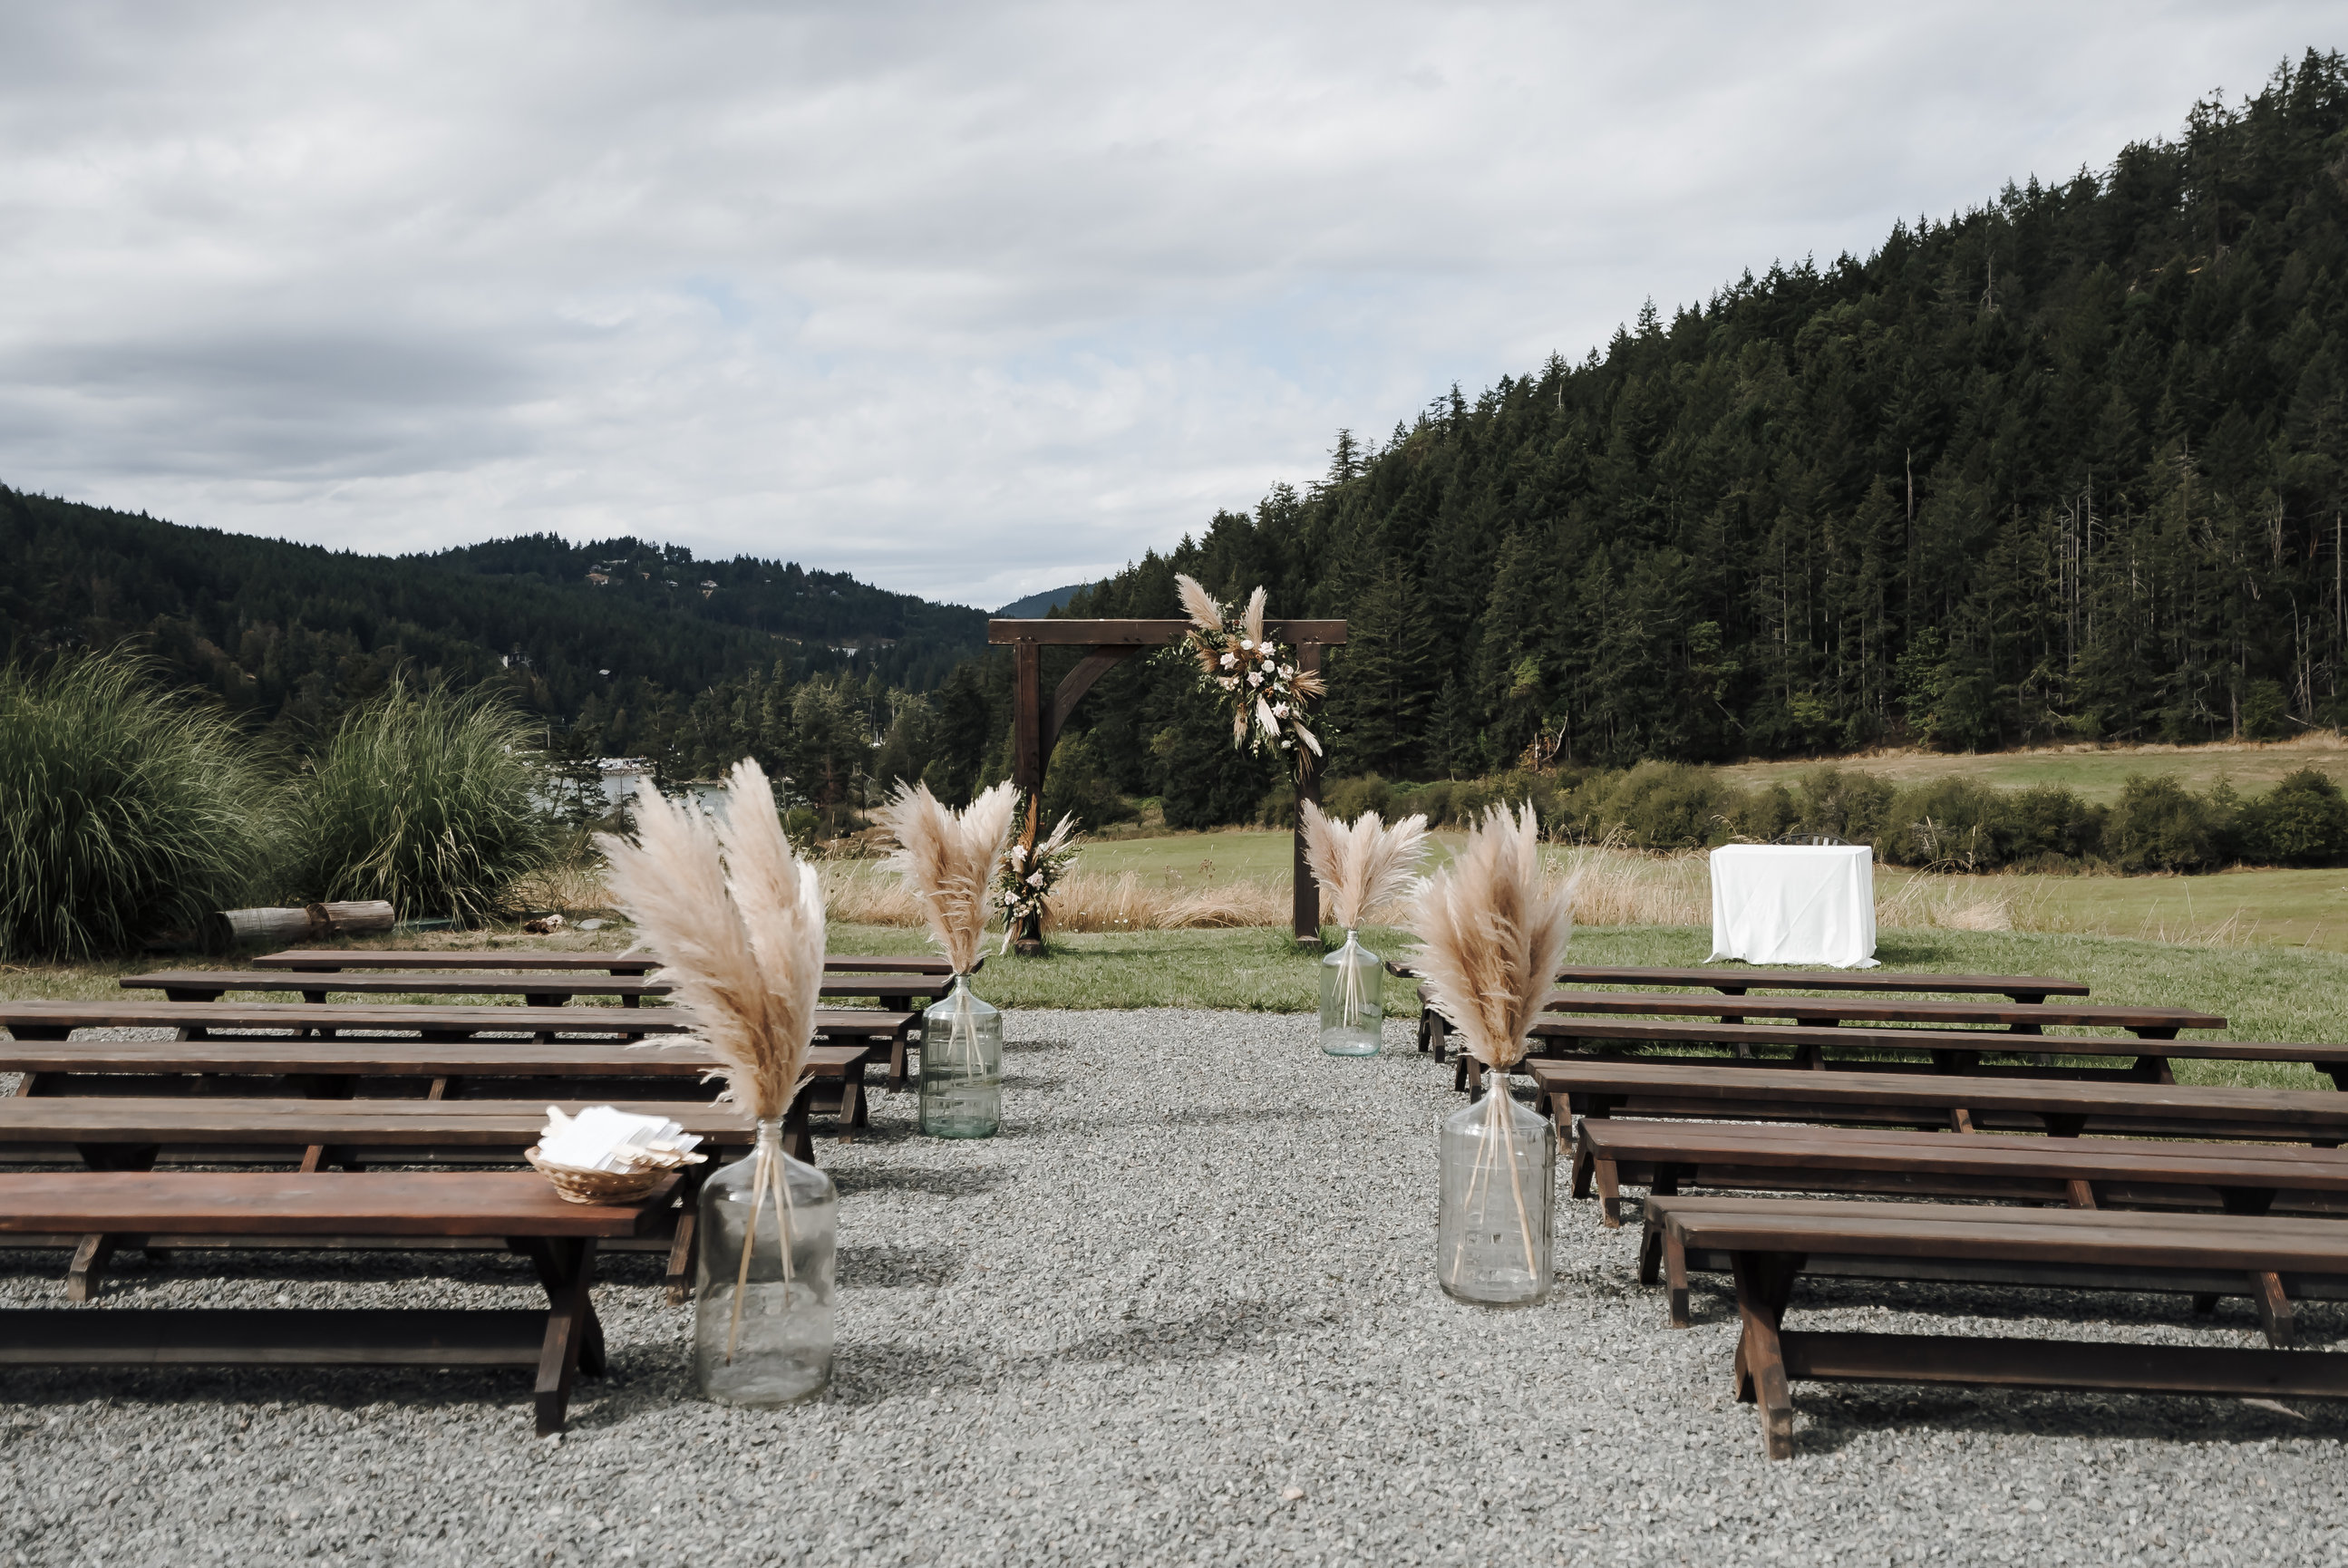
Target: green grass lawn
2096	775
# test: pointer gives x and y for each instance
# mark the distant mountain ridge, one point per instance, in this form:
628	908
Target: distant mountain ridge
1036	606
291	634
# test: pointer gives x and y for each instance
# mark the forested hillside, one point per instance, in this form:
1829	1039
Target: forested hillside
2066	466
612	640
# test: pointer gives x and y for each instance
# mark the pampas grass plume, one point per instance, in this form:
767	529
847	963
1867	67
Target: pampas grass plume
1363	865
948	859
1494	928
741	943
1199	604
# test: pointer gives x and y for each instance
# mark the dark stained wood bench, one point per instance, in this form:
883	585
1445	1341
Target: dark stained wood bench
2020	1018
1766	1245
1433	1026
1878	1049
559	1237
328	961
1598	1087
124	1132
1667	1157
536	990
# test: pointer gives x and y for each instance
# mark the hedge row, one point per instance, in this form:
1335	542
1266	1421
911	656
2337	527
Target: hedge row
1952	824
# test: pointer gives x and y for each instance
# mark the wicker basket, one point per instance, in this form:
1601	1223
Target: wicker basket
599	1186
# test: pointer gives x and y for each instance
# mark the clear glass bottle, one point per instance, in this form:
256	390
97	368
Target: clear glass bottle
762	1321
961	1066
1353	1000
1499	1178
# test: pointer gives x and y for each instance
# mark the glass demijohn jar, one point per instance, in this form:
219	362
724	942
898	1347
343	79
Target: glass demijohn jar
1353	1000
1499	1177
762	1321
961	1066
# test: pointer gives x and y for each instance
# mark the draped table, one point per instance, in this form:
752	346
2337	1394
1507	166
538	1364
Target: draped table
1794	904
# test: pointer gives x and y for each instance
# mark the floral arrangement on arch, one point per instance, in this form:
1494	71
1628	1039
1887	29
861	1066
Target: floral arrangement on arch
1023	886
1268	694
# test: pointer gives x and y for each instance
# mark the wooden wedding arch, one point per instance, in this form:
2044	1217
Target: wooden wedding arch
1036	728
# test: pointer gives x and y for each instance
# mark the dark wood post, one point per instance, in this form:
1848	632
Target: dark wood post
1027	763
1304	893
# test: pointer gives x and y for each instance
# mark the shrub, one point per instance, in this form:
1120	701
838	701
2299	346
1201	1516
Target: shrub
1852	805
1078	785
1346	799
1951	823
2159	825
1765	814
2302	821
1668	806
2049	820
123	810
426	797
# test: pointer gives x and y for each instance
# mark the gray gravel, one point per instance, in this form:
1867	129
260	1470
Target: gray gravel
1192	1278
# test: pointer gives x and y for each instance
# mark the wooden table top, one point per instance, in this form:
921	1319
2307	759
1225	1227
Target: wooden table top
341	1202
1973	1041
1942	1153
2040	1015
1737	981
180	1119
2108	1237
128	1014
328	959
208	985
2318	1108
391	1058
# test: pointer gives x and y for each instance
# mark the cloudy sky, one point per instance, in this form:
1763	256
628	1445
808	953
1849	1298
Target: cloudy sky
970	300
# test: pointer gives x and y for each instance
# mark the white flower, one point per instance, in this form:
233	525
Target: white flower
1227	683
1286	670
1279	710
1230	659
1245	644
1255	678
1036	879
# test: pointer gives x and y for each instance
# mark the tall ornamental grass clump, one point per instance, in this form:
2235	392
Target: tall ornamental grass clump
426	797
124	810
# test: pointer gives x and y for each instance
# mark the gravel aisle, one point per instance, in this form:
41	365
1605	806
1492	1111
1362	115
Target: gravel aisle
1192	1277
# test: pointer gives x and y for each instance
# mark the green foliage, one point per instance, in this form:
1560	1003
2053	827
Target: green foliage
1077	784
2160	826
2302	821
424	797
123	810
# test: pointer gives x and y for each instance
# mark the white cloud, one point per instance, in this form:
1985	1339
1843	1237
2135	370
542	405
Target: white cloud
968	300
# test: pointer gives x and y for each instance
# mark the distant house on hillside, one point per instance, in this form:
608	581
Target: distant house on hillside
598	578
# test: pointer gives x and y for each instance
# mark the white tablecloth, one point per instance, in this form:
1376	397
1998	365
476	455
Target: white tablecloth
1794	904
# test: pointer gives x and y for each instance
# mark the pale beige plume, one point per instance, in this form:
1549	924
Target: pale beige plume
1494	929
1199	604
1365	864
949	860
743	955
1252	625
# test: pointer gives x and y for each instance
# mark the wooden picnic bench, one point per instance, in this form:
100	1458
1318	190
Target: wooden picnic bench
1603	1087
1667	1157
535	990
1766	1245
1433	1026
520	1208
328	961
2019	1018
124	1132
198	1020
1877	1049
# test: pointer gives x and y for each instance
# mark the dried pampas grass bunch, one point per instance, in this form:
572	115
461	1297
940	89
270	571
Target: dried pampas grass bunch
737	920
948	859
1495	929
1365	863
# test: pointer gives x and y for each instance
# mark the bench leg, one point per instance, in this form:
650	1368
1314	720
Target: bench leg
2274	1309
1584	1169
679	1279
1675	1289
1610	1194
2081	1193
1960	1119
1650	1253
897	1064
574	1340
88	1270
1763	1284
